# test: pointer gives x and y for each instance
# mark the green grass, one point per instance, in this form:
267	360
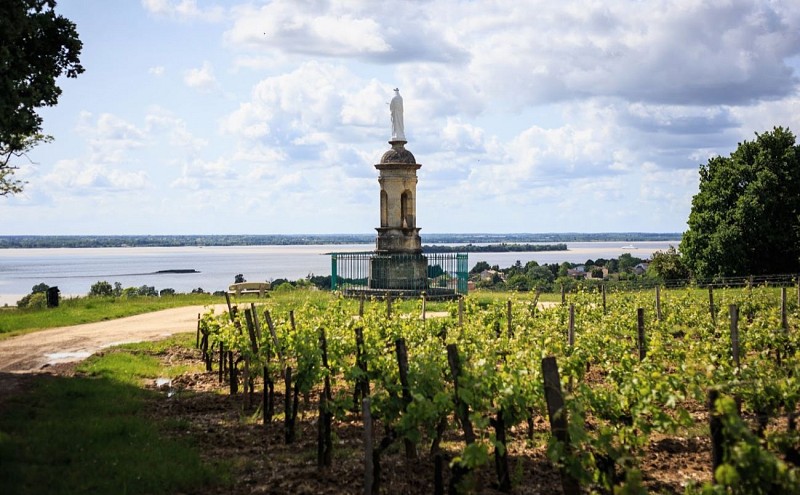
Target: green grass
79	310
90	434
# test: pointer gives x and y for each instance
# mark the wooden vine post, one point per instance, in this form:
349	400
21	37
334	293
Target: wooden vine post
604	298
251	333
784	318
711	305
717	434
501	447
324	433
288	410
221	361
402	364
274	335
558	417
509	321
362	382
734	313
571	330
233	379
366	413
462	413
658	302
640	333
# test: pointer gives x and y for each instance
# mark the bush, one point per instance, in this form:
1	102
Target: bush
285	287
129	292
166	292
37	300
101	289
147	290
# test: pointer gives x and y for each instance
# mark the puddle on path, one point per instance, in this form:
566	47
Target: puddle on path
62	356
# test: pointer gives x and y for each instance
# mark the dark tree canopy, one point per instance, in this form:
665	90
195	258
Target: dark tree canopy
36	47
745	220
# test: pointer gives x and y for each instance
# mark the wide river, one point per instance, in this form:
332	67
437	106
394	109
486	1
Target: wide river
74	270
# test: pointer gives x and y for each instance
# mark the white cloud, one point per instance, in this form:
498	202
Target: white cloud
110	138
344	29
183	10
76	178
157	70
160	121
202	78
536	52
302	27
303	108
206	174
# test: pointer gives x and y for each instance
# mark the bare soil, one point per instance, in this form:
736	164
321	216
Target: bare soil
224	428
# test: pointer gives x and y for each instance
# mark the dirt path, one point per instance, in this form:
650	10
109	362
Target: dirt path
38	351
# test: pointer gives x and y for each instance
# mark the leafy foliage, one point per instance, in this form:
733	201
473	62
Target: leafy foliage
38	46
668	265
745	220
101	288
614	411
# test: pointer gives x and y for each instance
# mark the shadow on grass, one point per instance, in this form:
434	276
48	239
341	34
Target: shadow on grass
90	435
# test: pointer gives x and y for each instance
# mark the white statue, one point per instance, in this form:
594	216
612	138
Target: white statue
396	108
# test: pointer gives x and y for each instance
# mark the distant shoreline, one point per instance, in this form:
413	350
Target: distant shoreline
494	248
99	241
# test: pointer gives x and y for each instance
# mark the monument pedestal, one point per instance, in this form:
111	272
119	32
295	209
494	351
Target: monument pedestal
398	271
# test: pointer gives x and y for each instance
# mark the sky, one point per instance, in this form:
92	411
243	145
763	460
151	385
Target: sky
267	117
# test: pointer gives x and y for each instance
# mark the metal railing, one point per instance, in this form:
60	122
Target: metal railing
433	273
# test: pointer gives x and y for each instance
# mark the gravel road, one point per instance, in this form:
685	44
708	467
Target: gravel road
38	351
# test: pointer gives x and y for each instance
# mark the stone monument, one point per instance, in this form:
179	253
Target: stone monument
398	263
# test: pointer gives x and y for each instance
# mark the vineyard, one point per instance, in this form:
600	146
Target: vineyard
606	382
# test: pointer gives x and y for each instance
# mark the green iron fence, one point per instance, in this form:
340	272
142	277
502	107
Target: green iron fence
436	274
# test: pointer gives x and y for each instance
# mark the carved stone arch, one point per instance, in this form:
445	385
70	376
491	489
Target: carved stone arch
407	209
384	209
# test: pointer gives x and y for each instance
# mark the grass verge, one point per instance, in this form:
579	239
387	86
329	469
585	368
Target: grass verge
91	434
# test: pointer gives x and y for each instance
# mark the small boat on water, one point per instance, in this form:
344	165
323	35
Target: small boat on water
629	246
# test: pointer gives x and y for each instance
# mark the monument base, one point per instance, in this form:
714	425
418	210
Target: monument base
406	272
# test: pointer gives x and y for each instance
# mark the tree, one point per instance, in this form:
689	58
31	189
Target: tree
36	47
540	274
42	287
745	219
479	267
518	282
667	265
627	261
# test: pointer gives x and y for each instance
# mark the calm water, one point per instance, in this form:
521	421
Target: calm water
75	270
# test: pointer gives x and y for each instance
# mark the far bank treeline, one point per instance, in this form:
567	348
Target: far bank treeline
97	241
495	248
